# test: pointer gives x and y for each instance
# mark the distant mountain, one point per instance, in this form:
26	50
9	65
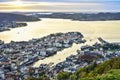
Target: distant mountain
16	17
83	16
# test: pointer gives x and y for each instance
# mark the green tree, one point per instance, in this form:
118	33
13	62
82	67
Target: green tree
63	76
73	77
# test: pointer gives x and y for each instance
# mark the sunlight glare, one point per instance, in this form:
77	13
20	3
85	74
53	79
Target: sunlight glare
17	3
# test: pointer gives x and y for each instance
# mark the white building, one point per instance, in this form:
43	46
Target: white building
2	76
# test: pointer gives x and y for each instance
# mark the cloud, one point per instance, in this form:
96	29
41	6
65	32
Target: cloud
61	6
49	5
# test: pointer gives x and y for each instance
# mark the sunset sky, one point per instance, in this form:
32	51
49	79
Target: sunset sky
61	5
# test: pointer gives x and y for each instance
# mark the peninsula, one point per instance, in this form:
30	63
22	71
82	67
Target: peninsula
17	57
10	20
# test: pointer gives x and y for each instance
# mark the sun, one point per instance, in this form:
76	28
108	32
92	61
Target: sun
17	3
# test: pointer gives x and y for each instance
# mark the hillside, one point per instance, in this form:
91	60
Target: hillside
109	70
16	17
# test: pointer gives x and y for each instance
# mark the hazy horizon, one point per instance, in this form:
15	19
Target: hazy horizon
59	5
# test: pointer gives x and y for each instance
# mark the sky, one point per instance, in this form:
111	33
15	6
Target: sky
61	5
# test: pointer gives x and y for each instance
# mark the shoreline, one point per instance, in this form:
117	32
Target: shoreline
21	55
60	56
33	30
